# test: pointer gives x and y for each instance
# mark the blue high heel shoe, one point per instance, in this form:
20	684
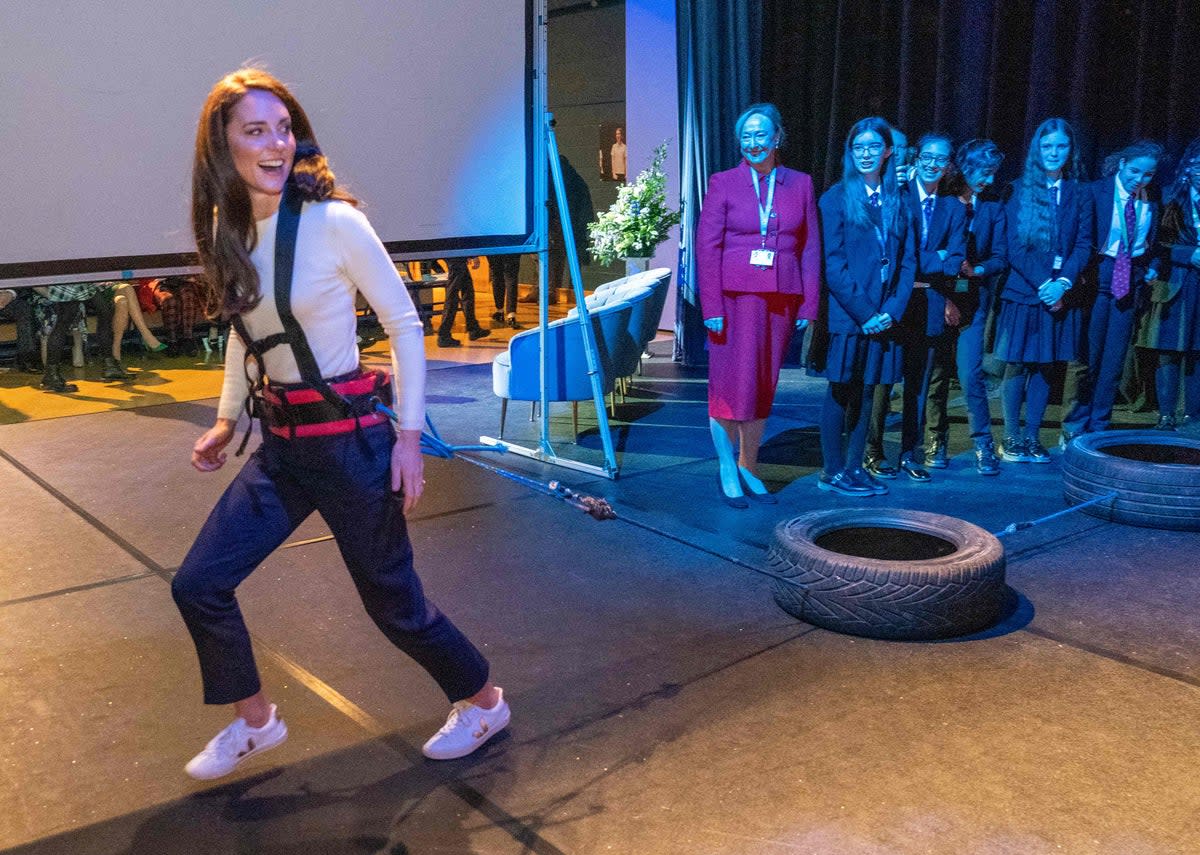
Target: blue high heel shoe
738	502
761	498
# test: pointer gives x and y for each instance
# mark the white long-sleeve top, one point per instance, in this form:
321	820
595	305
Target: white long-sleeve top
337	255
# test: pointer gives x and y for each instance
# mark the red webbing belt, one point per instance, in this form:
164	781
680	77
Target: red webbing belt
328	428
304	411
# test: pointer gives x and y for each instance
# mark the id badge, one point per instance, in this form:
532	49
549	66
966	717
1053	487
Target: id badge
961	285
762	257
1058	262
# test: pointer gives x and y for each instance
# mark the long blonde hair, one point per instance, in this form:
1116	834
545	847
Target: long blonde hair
1035	224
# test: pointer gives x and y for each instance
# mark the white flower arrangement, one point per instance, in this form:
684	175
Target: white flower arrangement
639	220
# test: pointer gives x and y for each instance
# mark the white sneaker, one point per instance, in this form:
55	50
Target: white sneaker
468	727
233	745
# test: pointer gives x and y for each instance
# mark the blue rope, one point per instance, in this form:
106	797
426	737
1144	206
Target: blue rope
433	445
1012	528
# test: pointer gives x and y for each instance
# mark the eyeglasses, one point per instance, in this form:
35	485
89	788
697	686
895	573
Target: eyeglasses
760	138
868	148
933	160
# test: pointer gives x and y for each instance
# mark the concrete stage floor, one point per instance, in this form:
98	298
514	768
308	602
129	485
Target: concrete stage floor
662	703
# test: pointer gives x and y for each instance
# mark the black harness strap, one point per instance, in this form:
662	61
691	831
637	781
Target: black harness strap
287	225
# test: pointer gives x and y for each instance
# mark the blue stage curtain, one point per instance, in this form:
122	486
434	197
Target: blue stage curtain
719	44
1116	69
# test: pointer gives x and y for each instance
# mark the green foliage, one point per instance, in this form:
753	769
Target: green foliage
639	220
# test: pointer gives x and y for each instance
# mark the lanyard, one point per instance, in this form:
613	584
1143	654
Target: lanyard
883	256
764	213
879	236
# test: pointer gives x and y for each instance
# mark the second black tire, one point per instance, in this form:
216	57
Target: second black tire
1155	475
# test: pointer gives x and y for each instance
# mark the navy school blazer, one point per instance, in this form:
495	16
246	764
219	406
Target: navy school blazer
1102	199
986	243
1029	267
926	311
1180	239
854	292
990	237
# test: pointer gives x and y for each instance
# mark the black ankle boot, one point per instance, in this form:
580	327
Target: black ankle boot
53	381
114	370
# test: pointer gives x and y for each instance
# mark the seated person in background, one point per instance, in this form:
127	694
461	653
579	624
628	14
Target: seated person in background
422	273
126	308
64	302
179	302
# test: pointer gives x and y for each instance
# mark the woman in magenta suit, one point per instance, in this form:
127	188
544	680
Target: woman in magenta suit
758	261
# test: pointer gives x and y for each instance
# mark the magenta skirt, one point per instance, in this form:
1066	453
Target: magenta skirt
744	361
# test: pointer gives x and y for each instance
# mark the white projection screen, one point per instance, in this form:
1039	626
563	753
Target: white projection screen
423	107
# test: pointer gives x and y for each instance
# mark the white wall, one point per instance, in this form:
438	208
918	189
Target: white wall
652	109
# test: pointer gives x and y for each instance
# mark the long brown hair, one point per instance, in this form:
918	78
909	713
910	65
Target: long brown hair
222	218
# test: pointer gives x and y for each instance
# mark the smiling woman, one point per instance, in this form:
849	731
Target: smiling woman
758	254
266	209
869	263
260	139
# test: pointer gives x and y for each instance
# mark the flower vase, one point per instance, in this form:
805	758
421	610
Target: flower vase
637	264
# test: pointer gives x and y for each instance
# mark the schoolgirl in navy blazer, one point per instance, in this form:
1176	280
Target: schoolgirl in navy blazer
852	261
868	242
1031	266
971	300
1171	323
1092	382
1049	242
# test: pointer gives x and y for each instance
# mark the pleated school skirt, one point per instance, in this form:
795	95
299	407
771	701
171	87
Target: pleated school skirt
869	359
1027	333
1174	325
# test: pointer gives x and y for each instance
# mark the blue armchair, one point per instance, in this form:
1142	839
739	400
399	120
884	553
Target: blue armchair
516	372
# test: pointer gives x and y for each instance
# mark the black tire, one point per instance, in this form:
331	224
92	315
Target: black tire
1149	494
935	597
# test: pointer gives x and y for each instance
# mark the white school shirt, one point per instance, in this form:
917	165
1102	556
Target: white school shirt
1056	186
1141	210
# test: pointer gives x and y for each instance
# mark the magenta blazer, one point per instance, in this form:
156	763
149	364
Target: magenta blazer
728	231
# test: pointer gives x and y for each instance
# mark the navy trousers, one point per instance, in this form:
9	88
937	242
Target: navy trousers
1091	385
346	479
962	350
